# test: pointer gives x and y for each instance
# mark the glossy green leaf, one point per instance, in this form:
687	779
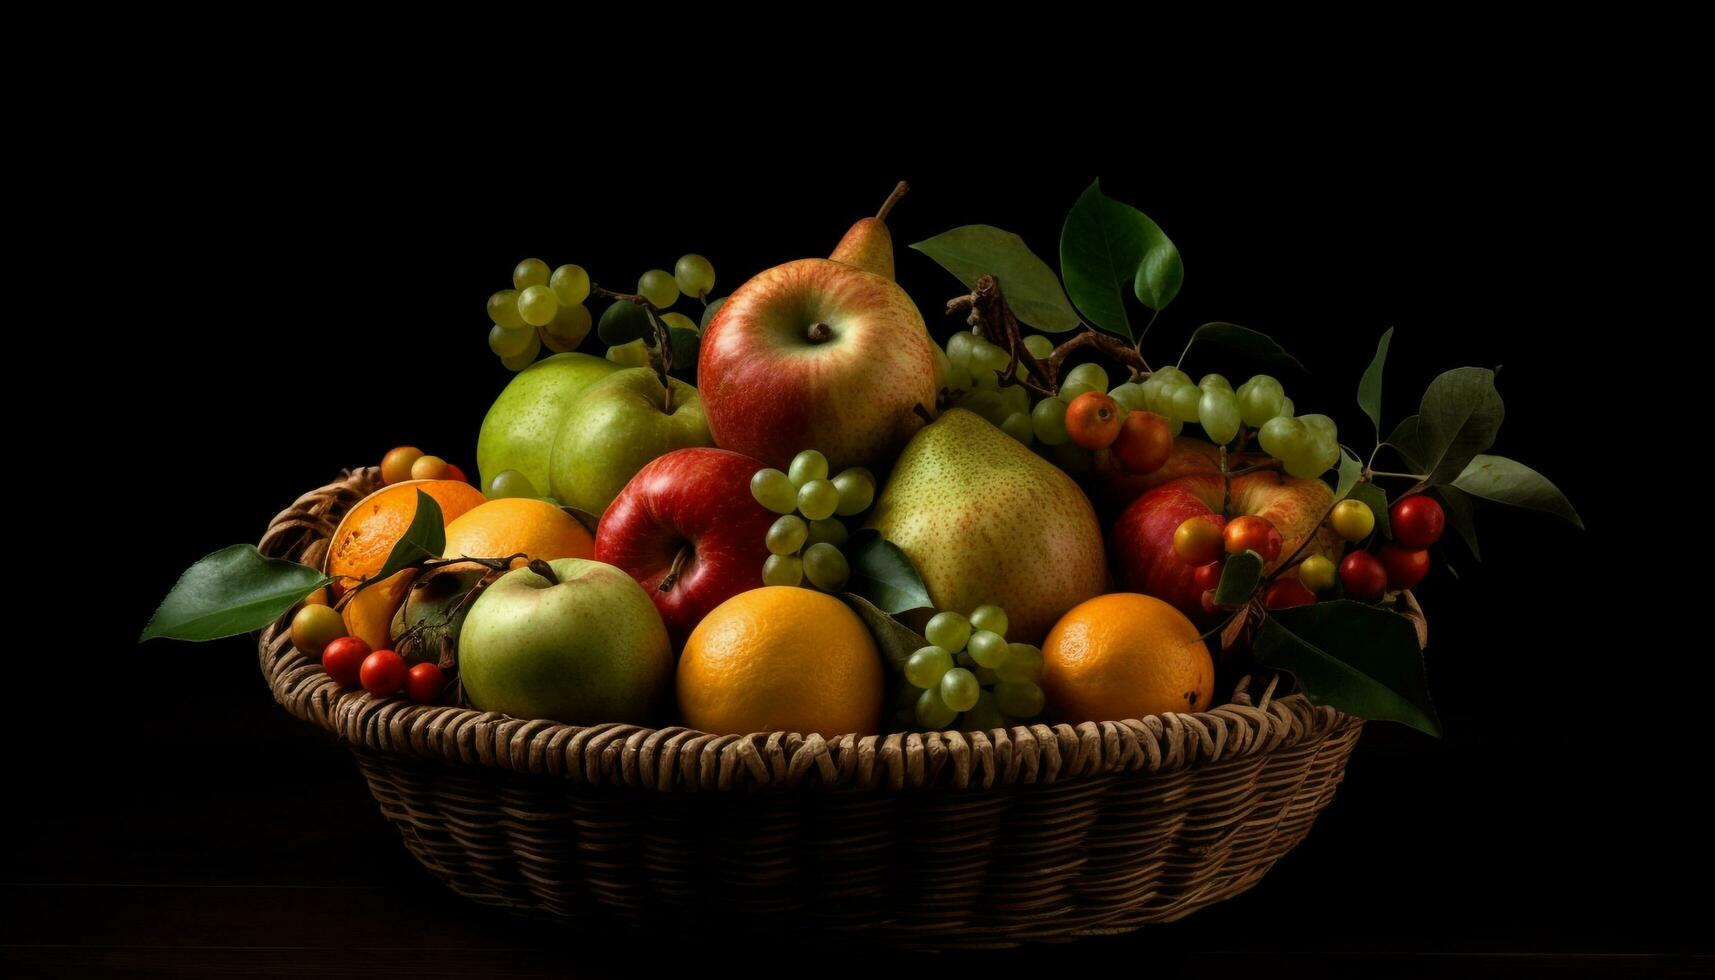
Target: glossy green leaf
1102	245
1508	481
1239	577
687	344
709	312
425	538
1458	419
896	641
882	574
1356	657
1161	272
1460	516
1254	347
1404	440
1370	385
235	590
1031	288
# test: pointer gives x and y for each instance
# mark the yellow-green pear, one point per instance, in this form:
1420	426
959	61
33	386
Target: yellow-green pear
987	521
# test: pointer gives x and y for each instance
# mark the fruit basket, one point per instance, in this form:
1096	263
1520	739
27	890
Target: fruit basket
936	839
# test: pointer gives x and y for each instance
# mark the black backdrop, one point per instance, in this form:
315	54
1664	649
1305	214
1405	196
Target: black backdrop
291	325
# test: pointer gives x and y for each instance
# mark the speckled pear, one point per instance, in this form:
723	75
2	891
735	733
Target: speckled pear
985	520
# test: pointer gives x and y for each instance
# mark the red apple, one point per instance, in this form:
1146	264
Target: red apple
1142	540
688	514
817	354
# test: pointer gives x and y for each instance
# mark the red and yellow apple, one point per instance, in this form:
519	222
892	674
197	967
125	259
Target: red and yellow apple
817	354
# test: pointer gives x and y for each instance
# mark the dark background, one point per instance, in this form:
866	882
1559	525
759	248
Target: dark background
290	325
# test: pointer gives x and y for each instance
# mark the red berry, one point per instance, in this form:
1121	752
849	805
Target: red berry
1286	593
454	473
1145	441
343	659
1197	540
1417	521
1208	600
1363	576
1250	533
1093	420
1207	576
383	673
425	683
1405	566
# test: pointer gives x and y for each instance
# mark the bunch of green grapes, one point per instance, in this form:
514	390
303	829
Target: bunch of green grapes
1306	445
804	543
969	677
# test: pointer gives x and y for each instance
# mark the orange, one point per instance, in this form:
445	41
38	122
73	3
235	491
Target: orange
1126	655
518	524
369	614
781	658
360	544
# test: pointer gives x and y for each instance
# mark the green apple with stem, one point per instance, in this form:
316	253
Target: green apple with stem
618	425
573	640
519	430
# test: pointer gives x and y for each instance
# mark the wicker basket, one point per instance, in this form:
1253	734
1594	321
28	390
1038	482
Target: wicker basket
937	839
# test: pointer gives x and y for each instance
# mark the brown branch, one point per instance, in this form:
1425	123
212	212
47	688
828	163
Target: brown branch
663	338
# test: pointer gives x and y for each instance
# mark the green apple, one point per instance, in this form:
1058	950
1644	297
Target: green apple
585	649
518	432
618	425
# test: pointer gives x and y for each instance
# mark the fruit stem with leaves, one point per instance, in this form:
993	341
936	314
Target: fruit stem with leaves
663	339
428	564
992	319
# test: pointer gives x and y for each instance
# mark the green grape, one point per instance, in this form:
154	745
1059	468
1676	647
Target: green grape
1020	699
818	499
527	356
984	717
783	570
1021	372
1018	426
510	483
826	567
503	309
571	284
1040	347
1218	414
622	323
959	347
1322	425
530	272
925	667
988	404
1184	402
1287	408
1260	399
657	286
1015	399
948	630
1068	392
634	354
1172	377
986	677
957	378
786	535
933	713
991	357
709	312
571	324
829	529
509	343
1175	426
1151	390
857	491
1048	421
1023	663
1283	438
1215	381
1130	397
991	618
986	648
963	659
537	305
773	490
694	275
1088	376
1308	464
984	380
806	466
959	689
679	321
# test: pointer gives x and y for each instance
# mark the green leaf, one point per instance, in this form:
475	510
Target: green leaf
709	312
1458	509
1404	440
1507	481
686	345
1370	385
1356	657
235	590
882	574
1031	288
896	641
1376	498
1239	578
1460	413
425	538
1106	247
1351	469
1236	341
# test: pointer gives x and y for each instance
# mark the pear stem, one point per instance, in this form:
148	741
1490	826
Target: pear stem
892	199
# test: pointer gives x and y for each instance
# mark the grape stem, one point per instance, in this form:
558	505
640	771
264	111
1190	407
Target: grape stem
992	319
663	339
1402	476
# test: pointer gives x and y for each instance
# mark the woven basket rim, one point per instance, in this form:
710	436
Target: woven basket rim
677	758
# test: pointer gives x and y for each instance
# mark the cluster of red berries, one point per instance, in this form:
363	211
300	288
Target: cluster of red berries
1416	522
1201	540
350	662
1140	440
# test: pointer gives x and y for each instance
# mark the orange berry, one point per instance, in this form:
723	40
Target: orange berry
429	468
1197	540
1093	420
396	465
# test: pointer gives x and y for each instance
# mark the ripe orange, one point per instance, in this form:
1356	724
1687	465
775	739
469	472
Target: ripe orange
513	524
780	658
1126	656
360	544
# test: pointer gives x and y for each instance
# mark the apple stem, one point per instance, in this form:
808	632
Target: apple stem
672	577
892	199
545	570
